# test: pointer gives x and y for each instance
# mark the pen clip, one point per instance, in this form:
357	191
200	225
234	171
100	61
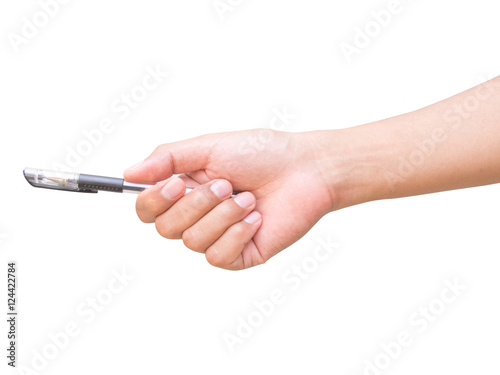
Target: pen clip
84	191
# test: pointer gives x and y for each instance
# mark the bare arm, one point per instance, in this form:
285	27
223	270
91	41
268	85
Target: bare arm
452	144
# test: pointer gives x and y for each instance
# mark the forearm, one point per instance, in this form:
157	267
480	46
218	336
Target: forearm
452	144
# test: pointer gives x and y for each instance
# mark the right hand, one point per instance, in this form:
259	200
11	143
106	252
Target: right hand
277	172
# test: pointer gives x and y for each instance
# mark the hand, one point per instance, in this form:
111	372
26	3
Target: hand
283	193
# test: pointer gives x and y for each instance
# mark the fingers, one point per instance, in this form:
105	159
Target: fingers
172	158
207	219
228	251
192	207
210	227
159	198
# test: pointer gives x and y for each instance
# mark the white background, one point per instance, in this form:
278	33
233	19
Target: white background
230	74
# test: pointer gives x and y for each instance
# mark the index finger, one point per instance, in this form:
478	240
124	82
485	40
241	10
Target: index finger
159	198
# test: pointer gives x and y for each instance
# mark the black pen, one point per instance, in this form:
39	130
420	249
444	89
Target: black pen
82	183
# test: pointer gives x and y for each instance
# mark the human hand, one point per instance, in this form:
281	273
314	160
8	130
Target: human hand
283	193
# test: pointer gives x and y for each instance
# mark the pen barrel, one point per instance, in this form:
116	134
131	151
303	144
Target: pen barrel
87	181
132	187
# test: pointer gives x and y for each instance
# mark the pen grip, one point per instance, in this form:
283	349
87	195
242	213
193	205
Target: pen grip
87	181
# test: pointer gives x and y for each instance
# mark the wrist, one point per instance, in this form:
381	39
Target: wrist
351	162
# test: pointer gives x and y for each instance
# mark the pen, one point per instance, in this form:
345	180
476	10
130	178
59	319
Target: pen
82	183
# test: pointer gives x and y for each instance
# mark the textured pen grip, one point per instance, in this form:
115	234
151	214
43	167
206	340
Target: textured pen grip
87	181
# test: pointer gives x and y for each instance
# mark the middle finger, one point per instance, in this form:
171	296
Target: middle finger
191	208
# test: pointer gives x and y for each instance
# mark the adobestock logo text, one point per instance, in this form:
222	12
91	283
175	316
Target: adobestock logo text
31	26
120	109
364	35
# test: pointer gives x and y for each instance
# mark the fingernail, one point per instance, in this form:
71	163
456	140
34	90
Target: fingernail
135	166
252	218
173	189
221	188
244	200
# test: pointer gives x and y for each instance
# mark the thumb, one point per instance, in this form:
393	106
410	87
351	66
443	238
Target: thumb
172	158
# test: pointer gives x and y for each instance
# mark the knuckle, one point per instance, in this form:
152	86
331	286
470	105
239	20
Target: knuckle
215	257
199	202
142	211
229	210
142	217
159	149
149	204
192	240
166	230
239	232
202	199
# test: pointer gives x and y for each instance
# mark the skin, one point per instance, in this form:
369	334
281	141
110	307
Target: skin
290	180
